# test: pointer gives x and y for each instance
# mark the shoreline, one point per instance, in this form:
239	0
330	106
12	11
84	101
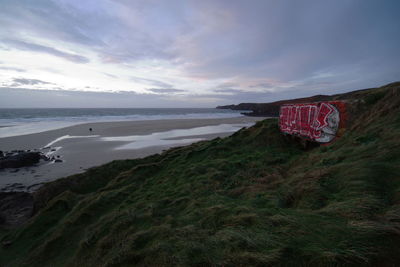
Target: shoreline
79	149
42	119
115	128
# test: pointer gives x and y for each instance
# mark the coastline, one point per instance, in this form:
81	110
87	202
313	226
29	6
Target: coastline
81	149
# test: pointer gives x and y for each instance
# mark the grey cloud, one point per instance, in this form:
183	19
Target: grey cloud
227	85
151	82
23	81
18	82
262	85
166	90
227	90
12	68
45	49
217	99
110	75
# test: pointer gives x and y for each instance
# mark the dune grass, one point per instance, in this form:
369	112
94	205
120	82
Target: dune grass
254	198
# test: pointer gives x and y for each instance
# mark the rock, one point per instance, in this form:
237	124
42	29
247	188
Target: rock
19	160
58	156
58	160
1	154
53	149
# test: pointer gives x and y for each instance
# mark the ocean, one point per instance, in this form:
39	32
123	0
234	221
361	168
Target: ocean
15	122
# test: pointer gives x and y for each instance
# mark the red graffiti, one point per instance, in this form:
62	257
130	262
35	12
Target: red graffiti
315	121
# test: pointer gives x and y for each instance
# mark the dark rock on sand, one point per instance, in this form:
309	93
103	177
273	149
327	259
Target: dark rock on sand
58	160
20	159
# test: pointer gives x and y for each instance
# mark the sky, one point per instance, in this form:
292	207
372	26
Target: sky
190	53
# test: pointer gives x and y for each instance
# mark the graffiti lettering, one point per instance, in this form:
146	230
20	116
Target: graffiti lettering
316	121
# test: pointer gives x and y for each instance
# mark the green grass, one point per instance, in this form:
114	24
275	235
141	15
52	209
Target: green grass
254	198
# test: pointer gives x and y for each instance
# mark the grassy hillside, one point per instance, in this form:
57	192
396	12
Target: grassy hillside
255	198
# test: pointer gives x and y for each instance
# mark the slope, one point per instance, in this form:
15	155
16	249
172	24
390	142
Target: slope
254	198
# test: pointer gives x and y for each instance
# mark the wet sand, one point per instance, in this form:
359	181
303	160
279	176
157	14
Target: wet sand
88	149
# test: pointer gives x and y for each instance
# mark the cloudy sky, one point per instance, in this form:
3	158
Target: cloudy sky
190	53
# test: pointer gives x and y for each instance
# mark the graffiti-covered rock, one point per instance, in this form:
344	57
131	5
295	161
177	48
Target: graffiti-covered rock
318	122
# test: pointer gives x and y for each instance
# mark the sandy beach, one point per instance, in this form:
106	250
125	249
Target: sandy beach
80	149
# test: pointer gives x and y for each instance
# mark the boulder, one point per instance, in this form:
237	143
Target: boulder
22	159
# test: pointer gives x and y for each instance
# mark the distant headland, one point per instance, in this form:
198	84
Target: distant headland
272	109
